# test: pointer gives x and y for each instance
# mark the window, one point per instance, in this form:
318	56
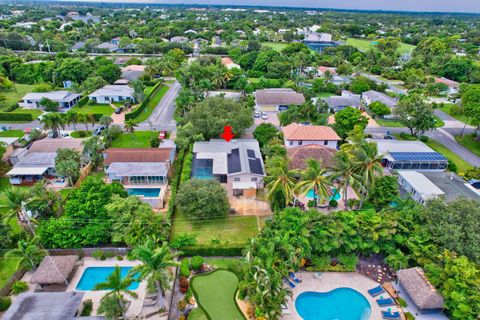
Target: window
254	179
300	142
291	143
236	179
325	142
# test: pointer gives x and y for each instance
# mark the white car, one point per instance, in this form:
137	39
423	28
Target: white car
42	115
264	116
256	114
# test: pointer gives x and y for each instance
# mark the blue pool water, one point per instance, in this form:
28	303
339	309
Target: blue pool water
146	192
93	275
338	304
335	194
202	173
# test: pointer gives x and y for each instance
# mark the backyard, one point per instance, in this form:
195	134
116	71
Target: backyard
137	139
365	45
14	95
277	46
215	293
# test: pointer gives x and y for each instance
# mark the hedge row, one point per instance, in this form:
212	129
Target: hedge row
177	172
138	110
187	165
8	116
83	101
212	251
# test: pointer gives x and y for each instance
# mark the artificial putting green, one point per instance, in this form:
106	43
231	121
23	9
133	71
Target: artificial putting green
215	294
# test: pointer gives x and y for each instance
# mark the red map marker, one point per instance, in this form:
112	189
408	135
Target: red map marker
227	133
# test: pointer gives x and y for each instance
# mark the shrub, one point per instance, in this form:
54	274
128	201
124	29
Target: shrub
83	101
409	316
81	134
5	116
333	203
452	166
311	204
321	262
87	308
11	107
137	111
185	268
423	138
402	302
19	287
154	142
98	254
183	284
119	258
184	240
5	302
197	262
348	261
353	203
182	304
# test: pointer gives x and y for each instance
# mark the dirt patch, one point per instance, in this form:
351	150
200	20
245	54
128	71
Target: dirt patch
374	268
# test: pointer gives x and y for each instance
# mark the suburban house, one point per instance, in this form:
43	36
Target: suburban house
322	71
299	134
319	41
299	155
39	161
374	96
409	155
179	39
237	163
428	185
8	144
414	286
112	93
132	72
277	99
65	99
347	99
453	86
228	62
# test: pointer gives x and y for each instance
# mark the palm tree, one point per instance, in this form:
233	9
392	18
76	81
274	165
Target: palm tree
53	121
106	121
346	172
280	178
71	117
227	75
315	177
130	125
155	264
92	147
29	253
369	166
117	286
15	198
83	117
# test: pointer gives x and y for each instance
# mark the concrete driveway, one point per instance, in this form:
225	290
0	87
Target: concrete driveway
272	118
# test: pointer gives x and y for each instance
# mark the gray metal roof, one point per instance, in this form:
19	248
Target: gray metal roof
57	96
37	159
44	306
138	169
380	97
113	90
342	101
453	186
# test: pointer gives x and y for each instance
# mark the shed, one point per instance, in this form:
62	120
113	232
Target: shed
54	270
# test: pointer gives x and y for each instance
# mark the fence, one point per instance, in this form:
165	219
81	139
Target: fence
84	174
88	251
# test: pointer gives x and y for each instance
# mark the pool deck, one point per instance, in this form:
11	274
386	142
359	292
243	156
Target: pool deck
135	307
328	281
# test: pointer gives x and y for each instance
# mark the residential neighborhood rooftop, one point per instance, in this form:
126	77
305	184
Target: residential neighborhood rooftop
380	97
56	96
136	155
113	90
421	183
299	155
297	131
281	96
422	292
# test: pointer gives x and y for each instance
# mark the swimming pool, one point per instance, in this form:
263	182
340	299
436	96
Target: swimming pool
93	275
340	303
146	192
335	194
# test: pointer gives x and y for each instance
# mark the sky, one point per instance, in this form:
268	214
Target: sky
469	6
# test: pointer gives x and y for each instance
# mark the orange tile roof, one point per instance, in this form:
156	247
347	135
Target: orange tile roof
297	131
448	82
226	60
323	69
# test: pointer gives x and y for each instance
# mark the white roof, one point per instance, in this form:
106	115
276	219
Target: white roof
20	171
386	146
38	159
421	184
140	169
8	141
57	96
113	90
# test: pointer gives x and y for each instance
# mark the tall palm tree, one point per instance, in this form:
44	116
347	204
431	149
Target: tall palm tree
83	117
227	75
369	166
29	253
130	125
71	117
92	147
106	121
280	178
15	198
315	177
117	286
155	264
53	121
346	172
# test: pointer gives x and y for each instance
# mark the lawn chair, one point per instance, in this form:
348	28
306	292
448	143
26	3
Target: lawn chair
289	283
386	302
376	291
390	315
294	278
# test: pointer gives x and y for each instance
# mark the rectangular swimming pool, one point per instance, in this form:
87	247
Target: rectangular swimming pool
146	192
93	275
202	169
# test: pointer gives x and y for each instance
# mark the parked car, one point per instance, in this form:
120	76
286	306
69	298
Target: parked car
264	116
118	110
128	105
256	114
162	135
62	134
40	117
99	130
389	137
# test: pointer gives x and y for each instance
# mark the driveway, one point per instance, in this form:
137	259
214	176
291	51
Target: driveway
162	115
272	118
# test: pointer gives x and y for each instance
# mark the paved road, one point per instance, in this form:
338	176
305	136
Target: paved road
162	116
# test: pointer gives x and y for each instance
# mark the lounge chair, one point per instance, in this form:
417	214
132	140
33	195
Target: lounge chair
386	302
390	315
289	283
294	278
376	291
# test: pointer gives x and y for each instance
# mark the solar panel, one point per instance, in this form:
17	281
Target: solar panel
255	166
417	156
233	161
250	153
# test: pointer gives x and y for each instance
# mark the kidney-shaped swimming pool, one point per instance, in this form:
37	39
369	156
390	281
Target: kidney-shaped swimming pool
338	304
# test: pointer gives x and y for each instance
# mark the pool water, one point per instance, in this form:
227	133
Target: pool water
338	304
146	192
93	275
335	194
203	173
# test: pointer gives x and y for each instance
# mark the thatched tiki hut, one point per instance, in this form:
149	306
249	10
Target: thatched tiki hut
414	283
54	273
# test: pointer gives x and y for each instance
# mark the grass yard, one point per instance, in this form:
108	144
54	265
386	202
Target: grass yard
231	231
365	45
104	109
325	94
469	142
8	266
394	123
13	96
277	46
461	164
448	109
154	100
223	263
215	294
197	314
12	134
137	139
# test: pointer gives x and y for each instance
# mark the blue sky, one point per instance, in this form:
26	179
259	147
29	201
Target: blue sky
471	6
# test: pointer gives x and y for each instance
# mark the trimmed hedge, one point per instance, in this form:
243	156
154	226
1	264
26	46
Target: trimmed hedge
212	251
187	165
83	101
137	111
6	116
177	172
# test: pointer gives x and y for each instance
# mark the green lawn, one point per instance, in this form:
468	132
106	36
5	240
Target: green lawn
154	100
13	96
461	164
8	266
4	184
394	123
137	139
469	142
447	108
365	45
231	231
223	263
215	294
12	134
277	46
104	109
325	94
197	314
